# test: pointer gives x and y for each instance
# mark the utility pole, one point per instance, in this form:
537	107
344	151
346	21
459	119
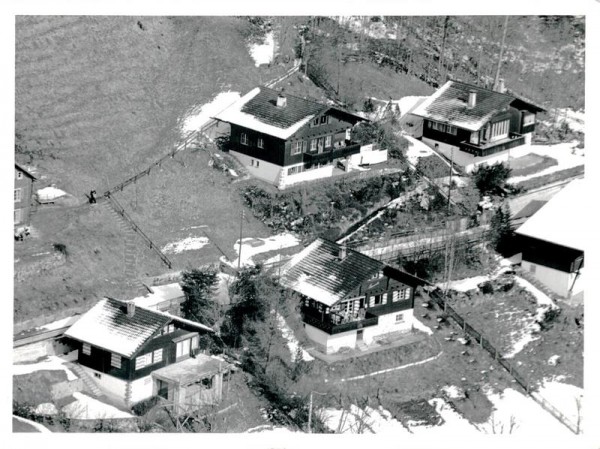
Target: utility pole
450	179
310	404
497	78
240	248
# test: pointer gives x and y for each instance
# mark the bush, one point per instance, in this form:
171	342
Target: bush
433	167
490	179
61	248
143	407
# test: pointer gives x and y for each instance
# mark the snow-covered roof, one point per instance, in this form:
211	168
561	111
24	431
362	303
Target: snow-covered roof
160	294
561	220
107	326
449	104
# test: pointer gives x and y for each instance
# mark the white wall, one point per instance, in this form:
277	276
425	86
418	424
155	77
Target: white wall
266	171
468	161
307	175
141	389
111	386
331	343
367	156
387	324
557	281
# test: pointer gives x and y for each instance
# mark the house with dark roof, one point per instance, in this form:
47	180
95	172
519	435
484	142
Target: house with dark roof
553	241
132	353
22	193
348	299
476	126
284	139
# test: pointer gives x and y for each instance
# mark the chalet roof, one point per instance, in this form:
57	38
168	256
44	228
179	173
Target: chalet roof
160	293
529	209
21	169
107	326
449	104
319	273
258	110
561	220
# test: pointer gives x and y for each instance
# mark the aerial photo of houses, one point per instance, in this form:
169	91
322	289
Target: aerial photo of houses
285	225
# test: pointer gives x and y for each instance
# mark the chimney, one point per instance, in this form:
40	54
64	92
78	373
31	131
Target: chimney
281	100
501	87
472	99
343	252
130	309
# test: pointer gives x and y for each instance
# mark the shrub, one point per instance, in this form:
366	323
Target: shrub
491	178
61	248
143	407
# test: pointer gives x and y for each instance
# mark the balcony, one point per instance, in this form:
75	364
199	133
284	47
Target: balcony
334	323
331	154
489	148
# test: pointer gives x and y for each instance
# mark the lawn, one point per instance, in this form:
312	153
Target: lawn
531	163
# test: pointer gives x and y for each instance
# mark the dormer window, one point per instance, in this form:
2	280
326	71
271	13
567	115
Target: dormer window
315	121
324	120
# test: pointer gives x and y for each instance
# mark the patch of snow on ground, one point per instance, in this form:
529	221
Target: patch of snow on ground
86	407
541	298
253	246
51	363
563	396
292	343
46	408
529	418
565	154
416	150
187	244
453	392
201	115
263	53
60	323
421	327
357	420
575	119
522	338
50	193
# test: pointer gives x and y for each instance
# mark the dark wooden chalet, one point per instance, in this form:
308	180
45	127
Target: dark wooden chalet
343	290
22	196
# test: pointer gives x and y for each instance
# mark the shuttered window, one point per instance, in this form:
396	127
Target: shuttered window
244	139
260	143
157	356
143	360
17	195
115	360
86	349
500	130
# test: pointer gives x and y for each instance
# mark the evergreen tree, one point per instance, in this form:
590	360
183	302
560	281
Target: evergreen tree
502	231
198	286
491	179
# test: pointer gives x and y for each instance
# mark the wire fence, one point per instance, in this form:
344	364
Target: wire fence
486	344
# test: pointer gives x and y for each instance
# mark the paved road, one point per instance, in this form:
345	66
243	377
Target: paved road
543	194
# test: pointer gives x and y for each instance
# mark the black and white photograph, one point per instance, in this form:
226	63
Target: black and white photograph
262	224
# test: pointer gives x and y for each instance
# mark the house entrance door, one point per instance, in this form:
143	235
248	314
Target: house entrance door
359	336
163	389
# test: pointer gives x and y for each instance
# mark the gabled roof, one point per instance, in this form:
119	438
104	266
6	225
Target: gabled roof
449	104
319	273
530	208
562	220
107	326
21	169
258	110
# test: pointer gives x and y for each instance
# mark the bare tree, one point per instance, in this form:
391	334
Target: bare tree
504	30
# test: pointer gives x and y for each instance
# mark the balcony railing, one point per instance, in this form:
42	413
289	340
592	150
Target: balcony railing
488	148
325	323
335	153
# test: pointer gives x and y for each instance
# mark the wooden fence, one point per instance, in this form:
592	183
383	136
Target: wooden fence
486	344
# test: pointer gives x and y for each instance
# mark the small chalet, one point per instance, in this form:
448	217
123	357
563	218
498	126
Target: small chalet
23	190
284	139
553	241
348	299
133	353
475	126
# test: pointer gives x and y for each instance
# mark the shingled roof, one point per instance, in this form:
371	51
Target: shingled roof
107	326
449	104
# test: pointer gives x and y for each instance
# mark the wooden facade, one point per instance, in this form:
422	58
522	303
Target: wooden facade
22	196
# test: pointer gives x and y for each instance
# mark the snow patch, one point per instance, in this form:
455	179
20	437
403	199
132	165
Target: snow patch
201	115
50	193
565	397
421	327
407	104
357	420
187	244
86	407
46	408
263	53
292	343
60	323
575	119
253	246
453	392
416	150
51	363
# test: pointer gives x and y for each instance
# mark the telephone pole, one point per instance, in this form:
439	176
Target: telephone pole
240	248
450	179
310	404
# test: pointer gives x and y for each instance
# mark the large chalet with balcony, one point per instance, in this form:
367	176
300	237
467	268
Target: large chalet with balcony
284	139
474	126
132	353
349	299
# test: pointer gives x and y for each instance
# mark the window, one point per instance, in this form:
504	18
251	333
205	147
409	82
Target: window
260	143
19	175
98	375
17	195
244	139
115	360
304	146
252	162
17	215
143	360
320	141
376	300
296	147
157	356
294	170
86	349
257	163
474	138
395	296
327	141
313	145
315	122
442	127
324	120
206	383
168	329
528	119
183	348
195	342
400	318
500	130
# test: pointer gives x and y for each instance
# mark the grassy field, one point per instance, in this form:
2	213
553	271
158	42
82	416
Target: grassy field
531	163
